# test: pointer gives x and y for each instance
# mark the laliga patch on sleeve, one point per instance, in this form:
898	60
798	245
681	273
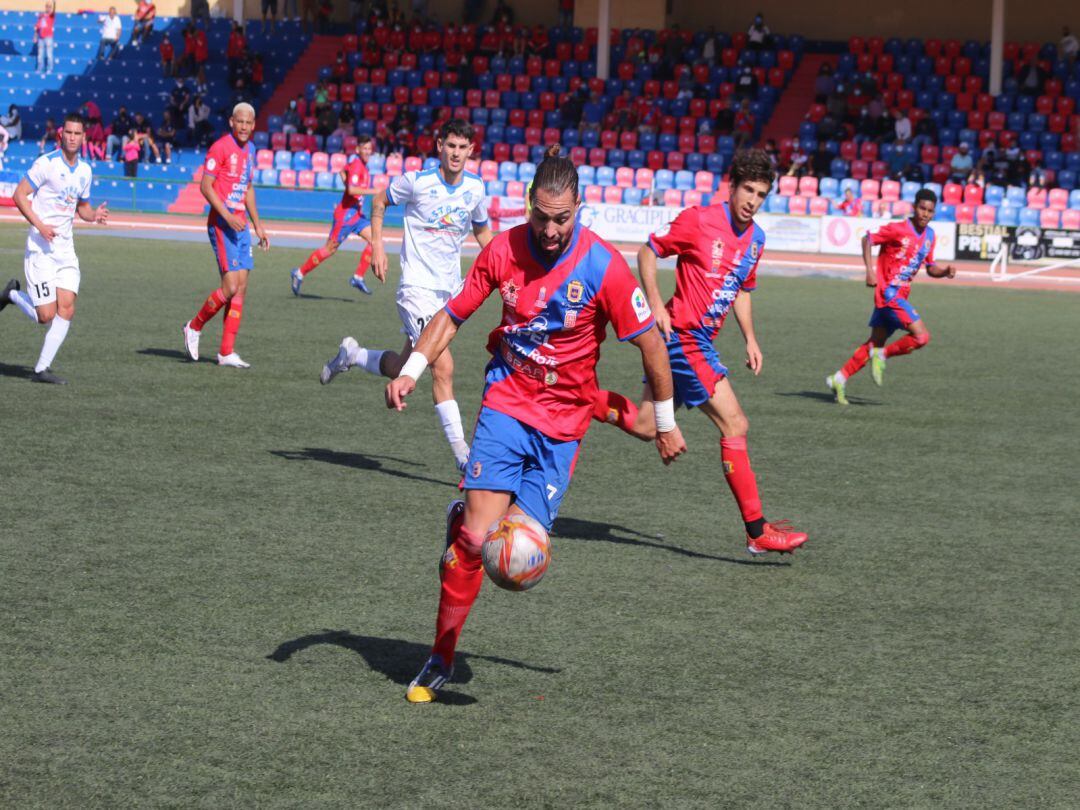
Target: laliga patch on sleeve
354	179
641	306
211	164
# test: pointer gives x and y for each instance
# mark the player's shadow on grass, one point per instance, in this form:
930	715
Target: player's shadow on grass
173	354
312	297
397	659
358	461
822	396
26	372
575	529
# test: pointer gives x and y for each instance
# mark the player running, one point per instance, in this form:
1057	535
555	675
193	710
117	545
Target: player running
348	218
906	246
718	249
53	191
226	185
561	285
441	206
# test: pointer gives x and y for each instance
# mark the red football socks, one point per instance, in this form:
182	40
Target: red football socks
905	345
740	477
462	574
316	258
858	360
615	409
210	307
232	324
365	262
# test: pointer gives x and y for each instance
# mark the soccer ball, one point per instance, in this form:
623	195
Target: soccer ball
516	552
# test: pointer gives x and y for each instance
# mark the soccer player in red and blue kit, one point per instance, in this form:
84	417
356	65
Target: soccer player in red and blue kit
226	185
905	247
560	286
348	218
718	249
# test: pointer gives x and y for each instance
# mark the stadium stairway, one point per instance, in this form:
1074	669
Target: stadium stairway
188	201
796	98
321	51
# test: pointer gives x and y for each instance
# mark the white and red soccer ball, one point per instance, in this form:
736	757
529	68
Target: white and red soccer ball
516	552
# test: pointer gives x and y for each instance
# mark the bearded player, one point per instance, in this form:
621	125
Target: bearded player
226	185
905	247
560	285
348	219
718	249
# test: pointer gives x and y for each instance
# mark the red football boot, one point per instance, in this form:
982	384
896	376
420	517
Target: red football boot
780	536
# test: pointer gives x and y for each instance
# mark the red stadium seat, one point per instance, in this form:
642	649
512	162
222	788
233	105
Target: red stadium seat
501	152
691	197
1037	198
655	159
264	159
952	194
305	179
676	161
995	121
533	136
552	135
594	194
879	170
1070	219
965	214
799	205
515	189
609	139
628	140
411	164
624	177
320	162
890	190
808	186
673	197
849	150
578	155
929	154
869	151
788	186
819	206
643	178
704	181
973	194
1050	218
869	189
985	214
860	169
519	153
613	195
597	156
901	208
287	178
1058	199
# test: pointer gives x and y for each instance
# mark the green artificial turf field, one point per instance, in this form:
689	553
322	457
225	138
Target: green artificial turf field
215	584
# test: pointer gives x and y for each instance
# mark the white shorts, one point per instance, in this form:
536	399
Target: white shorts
47	271
417	306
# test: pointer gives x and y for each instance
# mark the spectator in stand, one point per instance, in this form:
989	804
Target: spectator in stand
200	10
1037	175
1018	168
165	135
168	57
94	143
572	109
202	49
828	128
291	119
925	131
241	93
112	27
772	153
346	121
132	148
503	13
145	12
146	139
186	64
744	126
850	206
269	9
824	84
12	122
202	86
256	74
199	128
821	162
799	162
1031	79
758	36
117	135
47	141
1068	47
898	160
866	127
327	121
566	13
725	117
179	100
44	28
746	85
340	70
961	164
235	50
710	47
901	126
326	10
309	13
91	111
5	136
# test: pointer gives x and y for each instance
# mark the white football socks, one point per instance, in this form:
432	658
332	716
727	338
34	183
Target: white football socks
450	417
54	338
23	302
367	359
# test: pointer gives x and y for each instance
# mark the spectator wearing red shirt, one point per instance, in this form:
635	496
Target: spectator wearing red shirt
744	125
850	206
202	48
168	57
43	38
145	12
235	51
566	13
539	41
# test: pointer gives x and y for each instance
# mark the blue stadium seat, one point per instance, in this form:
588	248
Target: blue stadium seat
635	159
282	159
507	171
1029	216
828	187
695	162
633	196
663	179
526	171
946	213
776	204
268	177
1015	196
714	162
325	180
605	176
301	161
908	190
586	175
1008	215
616	158
994	195
849	183
1066	178
334	143
684	180
495	188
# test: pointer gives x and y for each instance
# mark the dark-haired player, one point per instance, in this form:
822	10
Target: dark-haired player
348	218
56	188
441	206
718	249
561	285
226	185
905	247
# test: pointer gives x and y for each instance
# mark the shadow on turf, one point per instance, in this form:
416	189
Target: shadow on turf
357	461
25	372
325	298
397	659
574	529
174	354
822	396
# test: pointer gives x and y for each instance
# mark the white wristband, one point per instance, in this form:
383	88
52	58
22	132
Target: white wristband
665	415
415	366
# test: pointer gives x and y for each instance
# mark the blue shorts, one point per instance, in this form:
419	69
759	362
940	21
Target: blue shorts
346	222
232	249
896	314
510	456
695	368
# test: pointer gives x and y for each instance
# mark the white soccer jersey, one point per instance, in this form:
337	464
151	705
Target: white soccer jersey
58	190
438	217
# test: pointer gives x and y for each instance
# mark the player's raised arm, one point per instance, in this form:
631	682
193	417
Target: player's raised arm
23	192
646	260
433	341
654	360
744	316
253	215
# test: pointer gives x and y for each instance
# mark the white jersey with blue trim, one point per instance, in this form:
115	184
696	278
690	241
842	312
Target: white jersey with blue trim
58	189
438	217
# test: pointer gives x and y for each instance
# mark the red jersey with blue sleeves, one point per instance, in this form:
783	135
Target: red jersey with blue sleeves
356	174
903	251
554	318
715	262
231	165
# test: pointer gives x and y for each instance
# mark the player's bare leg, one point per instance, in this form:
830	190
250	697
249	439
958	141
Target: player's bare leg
57	315
724	410
917	336
461	572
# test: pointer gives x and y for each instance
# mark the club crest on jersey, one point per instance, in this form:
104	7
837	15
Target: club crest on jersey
477	468
509	292
574	292
467	196
551	378
717	254
641	306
